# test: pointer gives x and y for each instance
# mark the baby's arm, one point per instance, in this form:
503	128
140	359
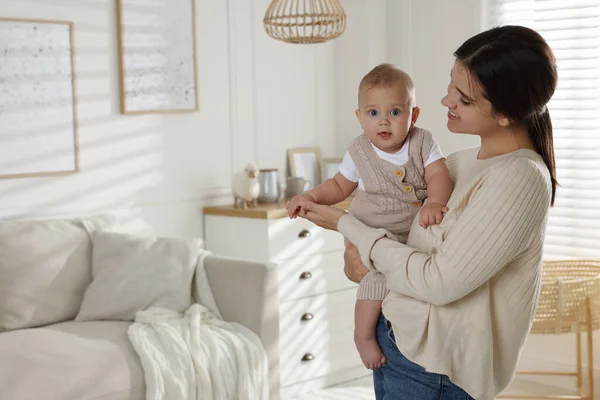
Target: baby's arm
439	189
331	191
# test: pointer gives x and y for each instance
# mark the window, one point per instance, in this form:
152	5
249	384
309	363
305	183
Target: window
572	29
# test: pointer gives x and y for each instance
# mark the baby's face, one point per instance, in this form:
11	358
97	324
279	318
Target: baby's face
385	115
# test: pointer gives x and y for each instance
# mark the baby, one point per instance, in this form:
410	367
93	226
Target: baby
395	166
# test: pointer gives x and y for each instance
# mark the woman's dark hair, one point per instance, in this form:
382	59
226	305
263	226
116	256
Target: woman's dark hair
516	70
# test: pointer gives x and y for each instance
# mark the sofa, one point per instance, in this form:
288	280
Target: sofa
48	351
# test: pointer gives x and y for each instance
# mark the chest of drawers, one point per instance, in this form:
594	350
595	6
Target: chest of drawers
316	300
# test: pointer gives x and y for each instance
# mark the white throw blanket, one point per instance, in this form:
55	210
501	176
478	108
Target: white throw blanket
195	355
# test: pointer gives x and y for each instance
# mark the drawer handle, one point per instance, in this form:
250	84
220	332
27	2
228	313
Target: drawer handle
304	233
306	317
308	357
305	275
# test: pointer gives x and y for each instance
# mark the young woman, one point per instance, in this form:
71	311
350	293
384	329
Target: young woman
463	293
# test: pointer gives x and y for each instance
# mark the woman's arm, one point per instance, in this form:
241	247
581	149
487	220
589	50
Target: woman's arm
496	226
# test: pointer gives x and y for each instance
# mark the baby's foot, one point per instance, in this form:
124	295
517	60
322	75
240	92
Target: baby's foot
370	352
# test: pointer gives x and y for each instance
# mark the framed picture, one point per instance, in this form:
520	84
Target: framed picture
38	117
331	166
157	56
306	163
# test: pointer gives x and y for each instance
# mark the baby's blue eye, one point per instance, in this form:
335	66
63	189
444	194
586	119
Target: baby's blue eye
373	113
395	112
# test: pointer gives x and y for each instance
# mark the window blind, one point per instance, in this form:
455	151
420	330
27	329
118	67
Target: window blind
572	29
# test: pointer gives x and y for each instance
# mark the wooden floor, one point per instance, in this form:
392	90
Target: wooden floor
356	390
363	390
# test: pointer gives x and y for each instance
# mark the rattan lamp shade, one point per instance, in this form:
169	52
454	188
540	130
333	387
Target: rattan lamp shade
305	21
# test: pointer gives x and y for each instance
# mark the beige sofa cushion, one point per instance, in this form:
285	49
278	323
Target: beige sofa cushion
133	273
45	267
71	360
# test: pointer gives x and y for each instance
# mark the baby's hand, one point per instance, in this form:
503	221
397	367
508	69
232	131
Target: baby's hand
293	205
432	214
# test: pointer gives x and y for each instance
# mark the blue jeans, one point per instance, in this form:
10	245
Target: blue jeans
401	379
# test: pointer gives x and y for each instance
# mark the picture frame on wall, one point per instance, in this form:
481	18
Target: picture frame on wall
157	56
38	113
306	163
331	166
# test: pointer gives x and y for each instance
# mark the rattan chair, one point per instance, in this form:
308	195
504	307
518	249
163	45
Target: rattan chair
569	303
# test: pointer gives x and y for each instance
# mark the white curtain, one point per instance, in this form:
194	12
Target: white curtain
572	29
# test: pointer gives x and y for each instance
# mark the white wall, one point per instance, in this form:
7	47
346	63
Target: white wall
360	48
258	97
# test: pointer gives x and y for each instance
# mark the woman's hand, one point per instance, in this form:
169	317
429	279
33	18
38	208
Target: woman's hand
354	268
293	205
328	217
325	216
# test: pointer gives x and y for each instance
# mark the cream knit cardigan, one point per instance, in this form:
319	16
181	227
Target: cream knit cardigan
463	293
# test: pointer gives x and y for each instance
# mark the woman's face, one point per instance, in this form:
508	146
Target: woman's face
468	110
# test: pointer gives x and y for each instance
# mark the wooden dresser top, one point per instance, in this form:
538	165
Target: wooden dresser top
263	211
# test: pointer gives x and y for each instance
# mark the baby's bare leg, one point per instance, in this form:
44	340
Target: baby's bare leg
366	316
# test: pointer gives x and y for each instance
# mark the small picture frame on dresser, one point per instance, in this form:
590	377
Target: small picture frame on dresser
331	166
306	163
